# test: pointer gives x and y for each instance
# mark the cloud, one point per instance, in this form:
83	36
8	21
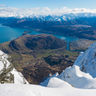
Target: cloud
10	11
3	5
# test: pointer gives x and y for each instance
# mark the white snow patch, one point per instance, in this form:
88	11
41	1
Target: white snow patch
56	83
34	90
18	77
45	82
1	65
3	61
77	78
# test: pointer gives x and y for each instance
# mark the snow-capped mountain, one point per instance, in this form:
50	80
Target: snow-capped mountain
8	74
47	14
87	60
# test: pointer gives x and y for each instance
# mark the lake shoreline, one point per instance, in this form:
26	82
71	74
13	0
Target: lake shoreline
10	33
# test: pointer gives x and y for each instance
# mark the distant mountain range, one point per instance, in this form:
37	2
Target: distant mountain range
60	15
80	23
45	11
59	18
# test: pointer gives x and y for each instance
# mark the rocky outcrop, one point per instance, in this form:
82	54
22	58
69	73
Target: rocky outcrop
8	74
81	44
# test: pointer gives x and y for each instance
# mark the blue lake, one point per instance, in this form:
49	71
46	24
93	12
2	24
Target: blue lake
9	33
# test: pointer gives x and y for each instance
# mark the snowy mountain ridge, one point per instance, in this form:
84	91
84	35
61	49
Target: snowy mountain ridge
77	78
55	14
74	77
8	74
87	61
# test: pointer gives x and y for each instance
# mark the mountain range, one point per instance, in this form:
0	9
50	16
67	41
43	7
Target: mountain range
79	25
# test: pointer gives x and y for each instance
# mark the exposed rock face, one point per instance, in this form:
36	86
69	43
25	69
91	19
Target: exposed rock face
59	60
8	74
38	72
81	44
42	68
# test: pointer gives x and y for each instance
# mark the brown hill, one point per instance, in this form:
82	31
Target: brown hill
28	43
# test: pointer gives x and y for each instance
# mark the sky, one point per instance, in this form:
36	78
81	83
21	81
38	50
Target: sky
91	4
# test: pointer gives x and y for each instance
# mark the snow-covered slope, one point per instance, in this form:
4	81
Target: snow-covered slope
87	63
8	74
45	82
3	61
77	78
33	90
56	87
87	60
55	82
18	77
74	76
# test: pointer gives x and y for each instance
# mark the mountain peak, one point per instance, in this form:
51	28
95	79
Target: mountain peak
87	60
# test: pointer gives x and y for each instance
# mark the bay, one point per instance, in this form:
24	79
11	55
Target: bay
9	33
